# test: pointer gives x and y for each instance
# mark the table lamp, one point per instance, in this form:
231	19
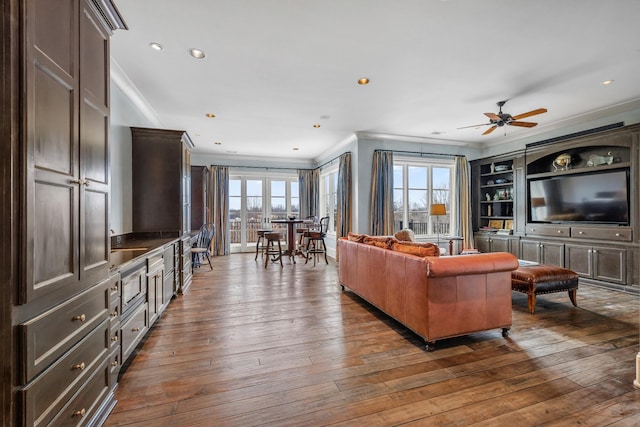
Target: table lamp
438	209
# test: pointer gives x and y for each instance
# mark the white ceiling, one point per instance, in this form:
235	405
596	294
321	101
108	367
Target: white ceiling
274	68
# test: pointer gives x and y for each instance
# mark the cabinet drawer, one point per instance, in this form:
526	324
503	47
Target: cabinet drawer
48	336
114	286
114	311
46	395
134	286
602	233
548	230
86	402
133	330
114	367
155	261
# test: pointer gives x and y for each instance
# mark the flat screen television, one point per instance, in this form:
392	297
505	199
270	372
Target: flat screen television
594	197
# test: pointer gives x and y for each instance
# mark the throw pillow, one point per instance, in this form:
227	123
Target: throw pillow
405	235
380	241
416	248
355	237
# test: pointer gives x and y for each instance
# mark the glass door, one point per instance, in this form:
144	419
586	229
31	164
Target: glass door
254	202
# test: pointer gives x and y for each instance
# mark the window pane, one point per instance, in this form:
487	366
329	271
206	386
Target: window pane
234	187
418	200
397	176
417	177
441	178
254	188
278	188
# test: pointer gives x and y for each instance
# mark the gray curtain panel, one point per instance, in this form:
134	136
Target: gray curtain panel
309	189
345	210
381	216
219	209
462	191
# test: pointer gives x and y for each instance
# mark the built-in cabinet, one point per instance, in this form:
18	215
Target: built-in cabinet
199	196
604	254
56	311
162	189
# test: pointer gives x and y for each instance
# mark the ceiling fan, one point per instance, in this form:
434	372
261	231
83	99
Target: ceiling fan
501	119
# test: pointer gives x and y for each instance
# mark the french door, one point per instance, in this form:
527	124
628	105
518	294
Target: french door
255	201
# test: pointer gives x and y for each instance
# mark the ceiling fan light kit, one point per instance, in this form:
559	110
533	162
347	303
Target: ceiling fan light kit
500	119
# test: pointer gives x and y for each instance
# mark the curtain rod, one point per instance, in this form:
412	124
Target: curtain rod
332	160
255	167
422	153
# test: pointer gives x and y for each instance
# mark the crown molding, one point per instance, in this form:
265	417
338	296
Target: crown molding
120	78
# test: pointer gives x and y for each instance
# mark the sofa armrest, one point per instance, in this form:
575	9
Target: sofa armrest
471	264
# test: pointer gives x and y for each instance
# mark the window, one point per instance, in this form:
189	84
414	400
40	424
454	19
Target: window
329	197
417	184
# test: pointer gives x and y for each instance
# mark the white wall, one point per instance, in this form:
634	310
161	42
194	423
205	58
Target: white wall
123	115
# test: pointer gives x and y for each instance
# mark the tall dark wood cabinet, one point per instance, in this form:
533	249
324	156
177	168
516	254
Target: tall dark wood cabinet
55	151
162	189
199	196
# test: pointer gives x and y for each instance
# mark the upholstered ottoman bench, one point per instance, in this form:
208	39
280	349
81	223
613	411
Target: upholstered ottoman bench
534	279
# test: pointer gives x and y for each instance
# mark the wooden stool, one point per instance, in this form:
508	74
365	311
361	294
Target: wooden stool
261	247
272	252
314	240
544	279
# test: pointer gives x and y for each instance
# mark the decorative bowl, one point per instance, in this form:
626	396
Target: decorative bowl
501	168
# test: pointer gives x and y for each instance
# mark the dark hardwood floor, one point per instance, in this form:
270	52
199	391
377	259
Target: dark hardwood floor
286	347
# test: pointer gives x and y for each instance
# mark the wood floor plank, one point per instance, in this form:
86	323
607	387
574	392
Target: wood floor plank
249	346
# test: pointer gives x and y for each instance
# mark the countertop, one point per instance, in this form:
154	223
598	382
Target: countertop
131	250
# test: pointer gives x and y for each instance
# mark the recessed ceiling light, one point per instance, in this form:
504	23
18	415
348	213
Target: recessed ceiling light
325	117
218	143
316	126
156	46
196	53
363	81
211	116
232	152
607	82
295	148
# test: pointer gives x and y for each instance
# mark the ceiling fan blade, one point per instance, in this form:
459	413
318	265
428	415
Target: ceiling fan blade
493	117
530	113
491	129
474	126
523	124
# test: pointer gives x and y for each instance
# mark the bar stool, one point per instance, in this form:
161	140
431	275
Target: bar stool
260	244
272	252
315	238
307	225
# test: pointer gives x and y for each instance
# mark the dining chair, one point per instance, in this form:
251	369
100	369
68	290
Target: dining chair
202	247
315	241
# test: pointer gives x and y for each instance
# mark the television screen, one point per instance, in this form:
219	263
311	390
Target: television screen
593	198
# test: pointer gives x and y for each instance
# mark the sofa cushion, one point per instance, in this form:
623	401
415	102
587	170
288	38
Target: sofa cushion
416	248
405	235
380	241
355	237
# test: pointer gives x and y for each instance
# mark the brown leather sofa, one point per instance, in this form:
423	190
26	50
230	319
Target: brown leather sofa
435	297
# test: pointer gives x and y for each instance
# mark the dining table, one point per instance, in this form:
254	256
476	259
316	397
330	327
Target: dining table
291	236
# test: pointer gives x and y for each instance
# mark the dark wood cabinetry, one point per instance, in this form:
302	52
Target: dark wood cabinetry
55	315
605	254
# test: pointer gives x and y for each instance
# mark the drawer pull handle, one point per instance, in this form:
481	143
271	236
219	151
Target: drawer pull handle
114	363
114	313
80	366
581	232
80	317
135	330
560	231
114	338
79	413
617	234
115	288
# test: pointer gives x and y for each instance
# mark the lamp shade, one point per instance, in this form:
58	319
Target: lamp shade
438	209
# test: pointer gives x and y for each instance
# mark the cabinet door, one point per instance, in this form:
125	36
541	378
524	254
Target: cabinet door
52	182
94	147
578	258
499	245
609	264
552	253
483	243
530	250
